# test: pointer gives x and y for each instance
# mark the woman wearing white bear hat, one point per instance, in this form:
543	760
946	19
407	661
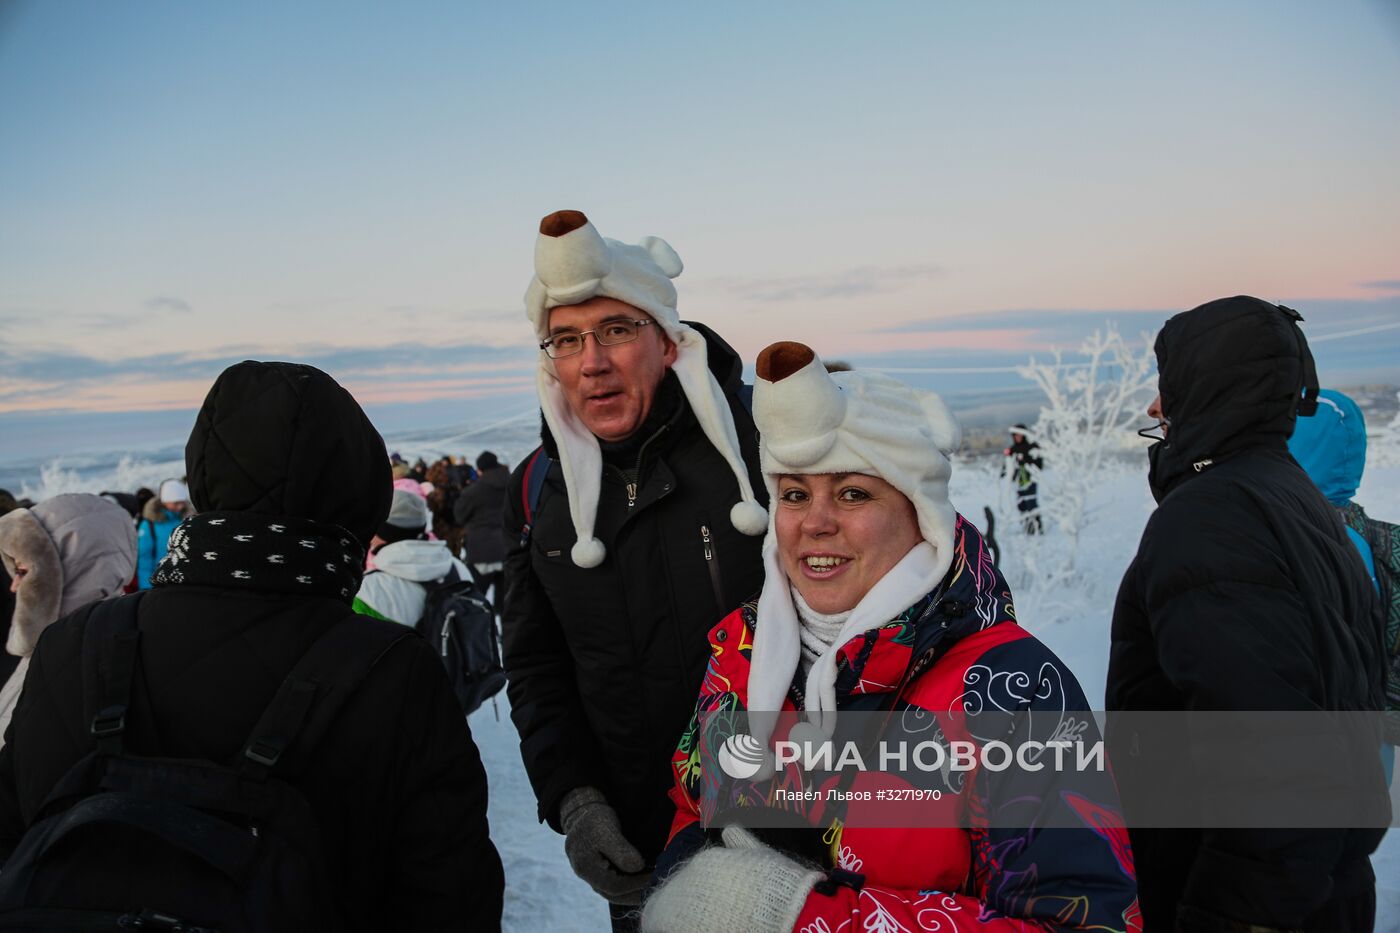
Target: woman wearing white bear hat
878	596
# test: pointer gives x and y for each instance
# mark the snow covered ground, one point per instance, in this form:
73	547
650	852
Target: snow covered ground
541	892
1072	617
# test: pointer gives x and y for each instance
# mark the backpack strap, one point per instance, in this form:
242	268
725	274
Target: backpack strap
314	692
111	643
531	487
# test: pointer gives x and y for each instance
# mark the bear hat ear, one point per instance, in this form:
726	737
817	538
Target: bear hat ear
663	255
947	432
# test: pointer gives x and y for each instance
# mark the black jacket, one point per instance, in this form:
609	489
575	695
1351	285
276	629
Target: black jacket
1245	594
605	664
479	509
397	785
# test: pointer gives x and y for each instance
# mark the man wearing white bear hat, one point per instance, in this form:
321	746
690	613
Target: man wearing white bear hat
637	526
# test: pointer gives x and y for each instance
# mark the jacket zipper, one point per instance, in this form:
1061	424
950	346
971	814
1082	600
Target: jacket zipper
633	477
712	563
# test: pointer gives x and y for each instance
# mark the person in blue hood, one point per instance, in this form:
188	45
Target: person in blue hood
1330	446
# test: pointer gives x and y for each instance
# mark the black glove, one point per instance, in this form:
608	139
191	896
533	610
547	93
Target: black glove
597	850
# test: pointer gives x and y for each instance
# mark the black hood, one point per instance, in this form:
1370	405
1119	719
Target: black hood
284	439
1233	375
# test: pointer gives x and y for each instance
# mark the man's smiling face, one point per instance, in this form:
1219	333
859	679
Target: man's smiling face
610	389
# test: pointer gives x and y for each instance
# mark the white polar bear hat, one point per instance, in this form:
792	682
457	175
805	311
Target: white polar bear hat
574	263
814	422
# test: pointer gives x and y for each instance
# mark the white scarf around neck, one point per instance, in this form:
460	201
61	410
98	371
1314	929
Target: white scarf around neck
777	643
819	630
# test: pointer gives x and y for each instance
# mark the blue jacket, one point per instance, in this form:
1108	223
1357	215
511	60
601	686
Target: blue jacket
153	530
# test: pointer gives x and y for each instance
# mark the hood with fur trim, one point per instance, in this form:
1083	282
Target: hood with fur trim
78	548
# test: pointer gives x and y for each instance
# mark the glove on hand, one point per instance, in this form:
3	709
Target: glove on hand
597	850
742	885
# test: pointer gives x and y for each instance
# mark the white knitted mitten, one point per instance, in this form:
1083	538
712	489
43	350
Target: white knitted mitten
743	885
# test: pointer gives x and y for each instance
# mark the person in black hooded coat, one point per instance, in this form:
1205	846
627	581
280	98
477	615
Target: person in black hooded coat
290	480
1245	594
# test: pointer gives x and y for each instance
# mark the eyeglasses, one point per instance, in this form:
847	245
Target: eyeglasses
608	334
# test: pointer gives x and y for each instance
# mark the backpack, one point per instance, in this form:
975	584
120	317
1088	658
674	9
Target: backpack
129	842
460	625
1384	539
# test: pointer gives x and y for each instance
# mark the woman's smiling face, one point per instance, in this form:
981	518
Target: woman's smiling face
838	534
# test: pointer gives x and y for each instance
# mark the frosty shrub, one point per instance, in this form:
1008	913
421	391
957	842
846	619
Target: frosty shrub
1093	407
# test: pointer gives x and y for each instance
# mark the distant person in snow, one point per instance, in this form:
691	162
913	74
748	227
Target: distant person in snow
462	473
1331	447
292	481
878	596
631	530
404	560
479	511
442	500
62	554
1024	464
1245	594
160	516
143	495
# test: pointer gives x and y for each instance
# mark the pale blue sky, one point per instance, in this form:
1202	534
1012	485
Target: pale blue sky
183	184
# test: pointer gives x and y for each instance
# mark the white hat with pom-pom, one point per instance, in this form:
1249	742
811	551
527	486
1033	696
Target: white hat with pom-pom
574	263
814	422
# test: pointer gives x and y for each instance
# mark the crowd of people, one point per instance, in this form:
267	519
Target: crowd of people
679	544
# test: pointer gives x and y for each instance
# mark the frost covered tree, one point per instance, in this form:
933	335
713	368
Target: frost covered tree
1092	405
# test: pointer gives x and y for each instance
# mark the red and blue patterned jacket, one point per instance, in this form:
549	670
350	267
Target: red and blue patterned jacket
958	649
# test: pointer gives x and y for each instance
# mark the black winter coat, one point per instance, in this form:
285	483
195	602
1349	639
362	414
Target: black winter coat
605	663
479	508
396	784
1245	594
